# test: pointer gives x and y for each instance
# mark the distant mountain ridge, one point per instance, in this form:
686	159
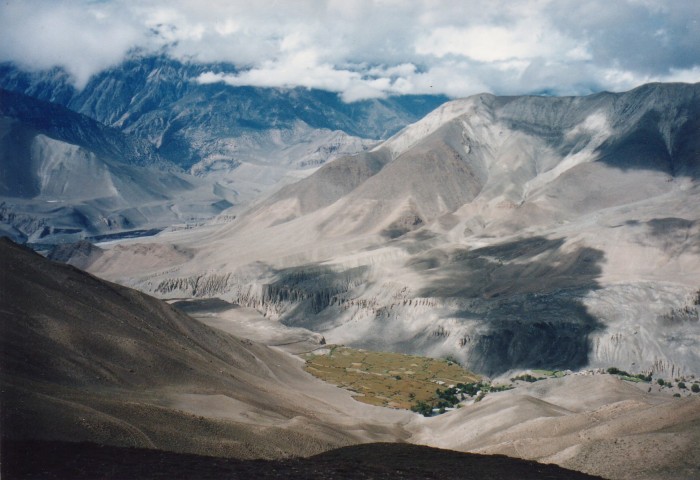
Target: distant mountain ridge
65	125
159	99
64	176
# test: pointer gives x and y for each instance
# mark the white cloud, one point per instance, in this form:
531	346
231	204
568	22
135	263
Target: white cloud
82	38
299	69
227	27
687	75
484	43
302	69
403	70
372	48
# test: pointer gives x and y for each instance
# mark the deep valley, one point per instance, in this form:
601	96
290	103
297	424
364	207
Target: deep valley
201	279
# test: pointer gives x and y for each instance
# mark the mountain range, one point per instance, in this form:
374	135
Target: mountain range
64	176
507	232
213	126
242	142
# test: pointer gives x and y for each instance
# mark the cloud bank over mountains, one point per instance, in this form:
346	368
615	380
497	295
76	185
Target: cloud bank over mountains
372	48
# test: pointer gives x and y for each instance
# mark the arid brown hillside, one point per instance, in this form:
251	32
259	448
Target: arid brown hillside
87	360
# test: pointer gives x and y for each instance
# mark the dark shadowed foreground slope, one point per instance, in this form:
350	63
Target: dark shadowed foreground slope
59	460
87	360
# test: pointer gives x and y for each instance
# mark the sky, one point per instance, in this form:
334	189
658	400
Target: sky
371	48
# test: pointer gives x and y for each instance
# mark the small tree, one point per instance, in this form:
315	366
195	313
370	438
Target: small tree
660	381
681	385
423	408
695	388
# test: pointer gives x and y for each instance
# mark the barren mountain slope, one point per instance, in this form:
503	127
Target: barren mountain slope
595	424
510	232
65	176
83	359
86	360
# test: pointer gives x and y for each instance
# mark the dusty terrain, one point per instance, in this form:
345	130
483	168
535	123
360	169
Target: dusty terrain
596	424
589	421
508	232
85	360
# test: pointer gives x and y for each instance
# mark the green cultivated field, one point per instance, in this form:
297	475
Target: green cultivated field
386	379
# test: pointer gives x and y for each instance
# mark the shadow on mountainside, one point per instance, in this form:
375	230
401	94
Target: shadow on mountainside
526	298
60	460
311	289
655	126
676	233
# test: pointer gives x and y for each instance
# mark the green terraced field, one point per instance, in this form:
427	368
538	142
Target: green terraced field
386	379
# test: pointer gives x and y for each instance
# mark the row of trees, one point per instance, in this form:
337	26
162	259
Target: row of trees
641	376
695	388
451	397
